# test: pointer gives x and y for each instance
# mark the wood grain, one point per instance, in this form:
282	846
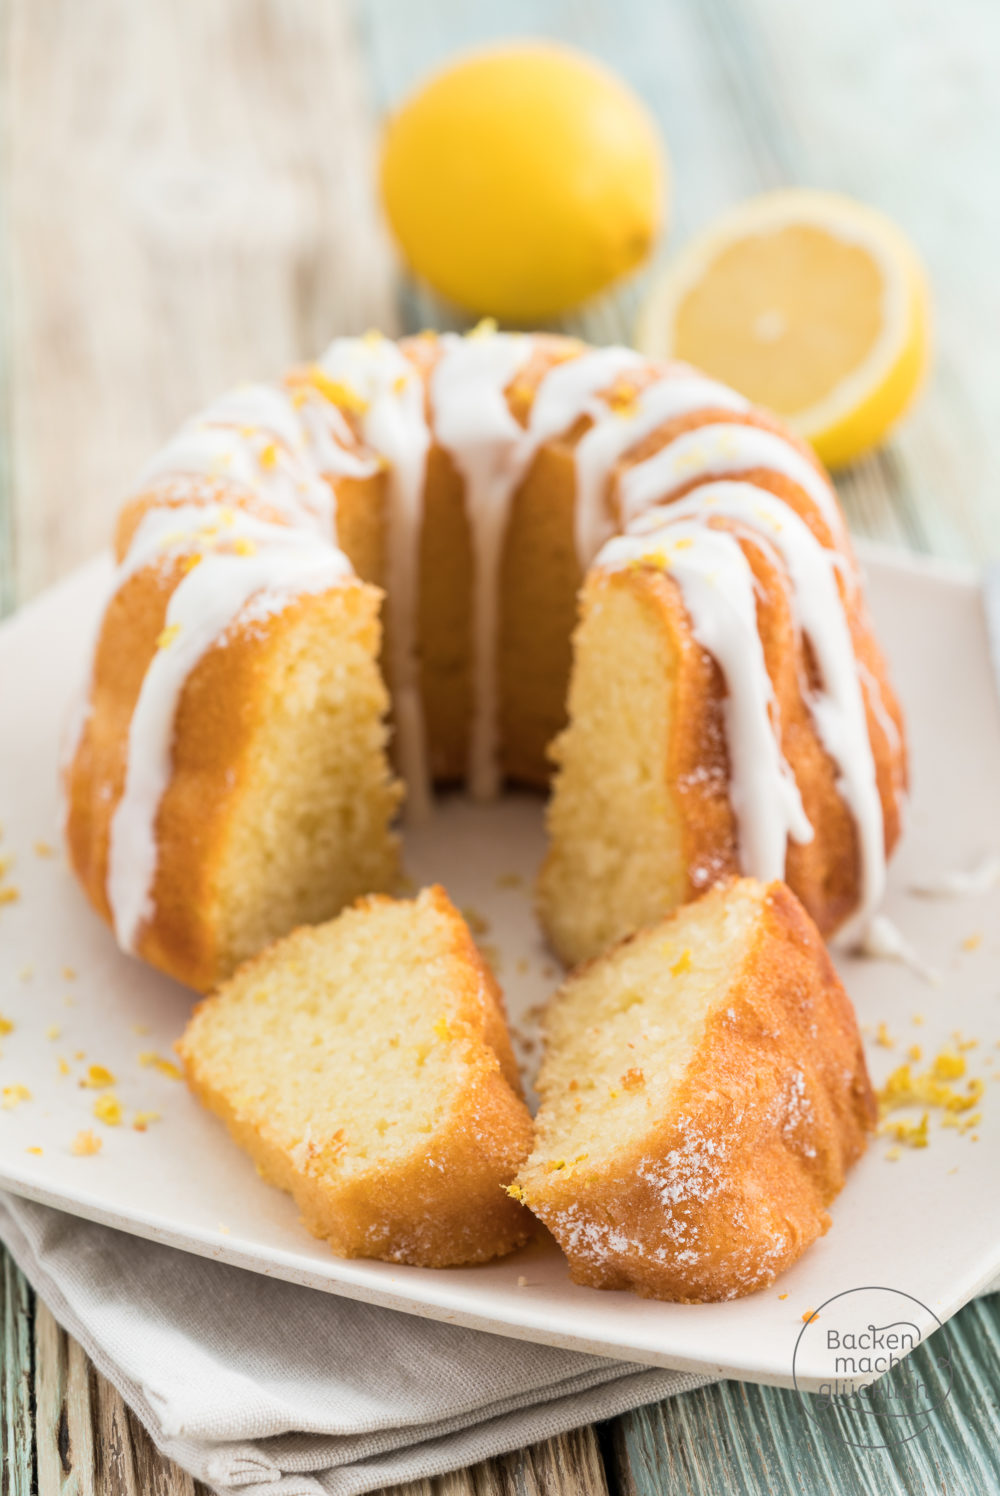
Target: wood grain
735	1438
189	204
17	1424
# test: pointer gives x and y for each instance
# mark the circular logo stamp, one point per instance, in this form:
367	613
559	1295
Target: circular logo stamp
852	1357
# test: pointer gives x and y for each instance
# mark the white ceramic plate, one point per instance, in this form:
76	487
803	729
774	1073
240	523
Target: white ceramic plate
927	1224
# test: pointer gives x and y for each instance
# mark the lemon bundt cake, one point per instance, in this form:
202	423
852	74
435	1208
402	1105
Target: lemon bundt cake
703	1091
366	1068
227	775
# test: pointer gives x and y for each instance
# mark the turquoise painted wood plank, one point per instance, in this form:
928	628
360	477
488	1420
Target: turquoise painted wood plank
733	1438
755	94
17	1448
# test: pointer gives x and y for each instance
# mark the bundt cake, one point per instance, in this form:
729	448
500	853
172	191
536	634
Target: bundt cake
366	1068
227	777
703	1091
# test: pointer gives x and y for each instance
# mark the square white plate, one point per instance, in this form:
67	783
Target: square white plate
927	1224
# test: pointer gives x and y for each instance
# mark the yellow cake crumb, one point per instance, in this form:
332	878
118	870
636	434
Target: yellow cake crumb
9	894
53	1031
883	1037
85	1143
69	973
142	1120
166	636
516	1192
949	1066
782	1296
63	1064
809	1316
108	1109
12	1096
35	1150
44	849
917	1019
6	1026
914	1053
522	1281
972	942
893	1155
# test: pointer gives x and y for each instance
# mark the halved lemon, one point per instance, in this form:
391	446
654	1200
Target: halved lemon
807	302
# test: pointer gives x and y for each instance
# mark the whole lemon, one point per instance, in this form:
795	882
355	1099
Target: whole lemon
522	180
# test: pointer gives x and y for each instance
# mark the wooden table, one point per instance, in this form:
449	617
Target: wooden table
188	202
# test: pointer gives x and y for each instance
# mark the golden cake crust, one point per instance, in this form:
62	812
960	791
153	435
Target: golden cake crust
445	1202
719	1197
824	873
539	584
225	702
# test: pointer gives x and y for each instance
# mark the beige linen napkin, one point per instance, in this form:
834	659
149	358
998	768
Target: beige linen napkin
262	1386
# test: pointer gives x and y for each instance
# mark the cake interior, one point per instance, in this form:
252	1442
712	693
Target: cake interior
616	857
316	796
622	1033
362	1013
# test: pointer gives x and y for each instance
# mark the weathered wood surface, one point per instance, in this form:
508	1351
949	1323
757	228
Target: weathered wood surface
187	201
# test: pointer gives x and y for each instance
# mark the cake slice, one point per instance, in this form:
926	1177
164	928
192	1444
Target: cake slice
365	1066
703	1092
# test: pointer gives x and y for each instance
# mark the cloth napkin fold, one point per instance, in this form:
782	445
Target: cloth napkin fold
255	1384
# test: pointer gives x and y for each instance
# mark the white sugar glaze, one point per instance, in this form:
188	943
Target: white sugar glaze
838	707
280	563
394	425
717	585
474	425
615	433
290	444
714	450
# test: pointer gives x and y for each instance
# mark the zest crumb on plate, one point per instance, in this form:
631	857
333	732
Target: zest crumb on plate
149	1059
108	1109
98	1077
85	1144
